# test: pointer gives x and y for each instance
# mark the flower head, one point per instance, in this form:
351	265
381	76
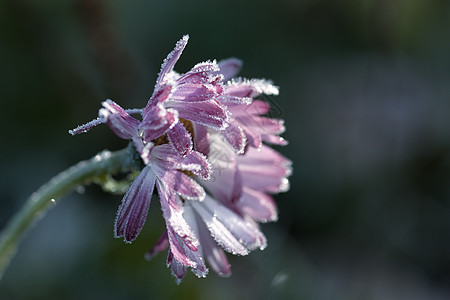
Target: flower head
200	139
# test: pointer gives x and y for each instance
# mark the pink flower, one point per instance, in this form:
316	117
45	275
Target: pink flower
201	143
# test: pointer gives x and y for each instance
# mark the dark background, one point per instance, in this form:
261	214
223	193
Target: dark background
365	92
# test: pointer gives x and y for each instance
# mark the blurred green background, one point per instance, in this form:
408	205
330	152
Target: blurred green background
365	92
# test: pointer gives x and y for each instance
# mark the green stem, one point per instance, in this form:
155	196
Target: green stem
82	173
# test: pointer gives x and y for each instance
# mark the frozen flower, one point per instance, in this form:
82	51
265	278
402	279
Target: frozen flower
200	140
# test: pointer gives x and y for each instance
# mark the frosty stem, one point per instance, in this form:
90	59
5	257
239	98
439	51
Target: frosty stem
82	173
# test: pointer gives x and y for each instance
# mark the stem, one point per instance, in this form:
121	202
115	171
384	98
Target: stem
82	173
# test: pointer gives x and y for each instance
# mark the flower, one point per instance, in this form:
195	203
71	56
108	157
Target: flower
200	140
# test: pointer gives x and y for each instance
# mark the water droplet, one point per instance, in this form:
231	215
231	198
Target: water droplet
280	279
80	189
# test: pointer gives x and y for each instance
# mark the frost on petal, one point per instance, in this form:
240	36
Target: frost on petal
171	59
118	120
173	214
197	163
200	73
157	121
180	183
250	87
86	127
209	113
230	67
160	95
134	208
191	92
176	248
232	232
213	254
169	159
180	138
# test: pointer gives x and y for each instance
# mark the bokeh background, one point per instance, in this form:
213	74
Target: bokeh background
365	92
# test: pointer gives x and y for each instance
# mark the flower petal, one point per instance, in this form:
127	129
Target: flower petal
200	73
235	137
134	208
209	113
173	214
171	59
230	67
160	95
157	121
161	244
201	139
265	169
118	120
233	233
226	183
194	92
185	186
178	270
214	255
258	205
180	138
167	158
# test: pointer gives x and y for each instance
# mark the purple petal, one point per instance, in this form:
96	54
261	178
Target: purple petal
160	95
250	88
194	92
180	138
258	128
178	270
119	121
264	169
235	136
161	244
197	163
176	248
134	208
258	205
233	233
174	217
226	182
230	67
181	183
200	73
201	139
213	253
209	113
171	59
157	121
169	159
274	139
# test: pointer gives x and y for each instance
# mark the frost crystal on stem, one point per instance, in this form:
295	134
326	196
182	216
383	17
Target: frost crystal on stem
201	139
